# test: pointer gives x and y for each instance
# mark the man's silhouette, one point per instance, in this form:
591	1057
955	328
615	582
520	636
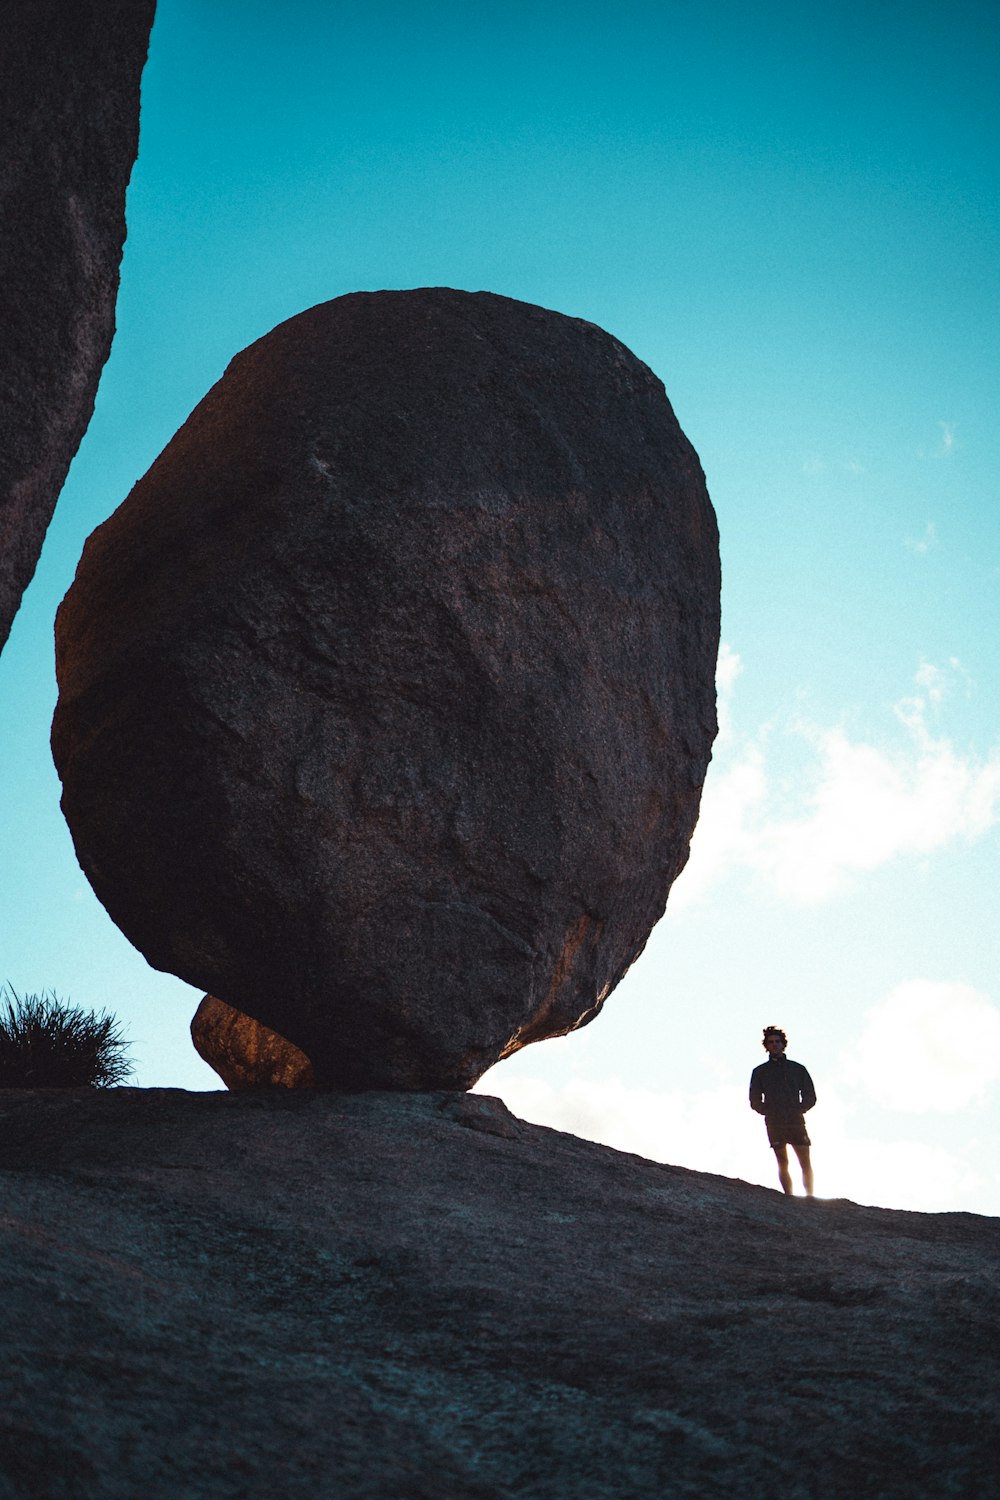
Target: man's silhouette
782	1091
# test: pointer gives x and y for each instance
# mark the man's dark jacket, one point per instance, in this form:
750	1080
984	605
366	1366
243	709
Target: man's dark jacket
781	1087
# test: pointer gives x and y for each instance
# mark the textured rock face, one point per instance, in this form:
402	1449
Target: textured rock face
387	696
302	1294
245	1054
69	122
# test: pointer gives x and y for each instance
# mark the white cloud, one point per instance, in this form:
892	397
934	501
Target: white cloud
710	1131
853	806
891	1174
933	681
715	1131
946	446
731	807
930	1046
923	544
936	684
727	669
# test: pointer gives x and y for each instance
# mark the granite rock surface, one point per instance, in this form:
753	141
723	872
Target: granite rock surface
387	696
375	1296
69	122
245	1054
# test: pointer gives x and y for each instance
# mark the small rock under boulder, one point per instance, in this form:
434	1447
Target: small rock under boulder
387	696
69	122
245	1054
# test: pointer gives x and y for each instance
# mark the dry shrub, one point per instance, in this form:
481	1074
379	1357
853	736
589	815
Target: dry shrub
46	1043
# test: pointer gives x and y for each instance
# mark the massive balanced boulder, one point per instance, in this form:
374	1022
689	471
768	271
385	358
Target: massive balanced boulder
387	696
69	123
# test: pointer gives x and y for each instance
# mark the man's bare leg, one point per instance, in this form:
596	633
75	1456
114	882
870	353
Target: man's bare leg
784	1176
802	1152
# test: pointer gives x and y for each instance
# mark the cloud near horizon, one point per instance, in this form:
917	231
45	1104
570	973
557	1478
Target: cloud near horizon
714	1131
944	1042
709	1131
849	808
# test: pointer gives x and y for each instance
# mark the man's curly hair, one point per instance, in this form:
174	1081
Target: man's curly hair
774	1031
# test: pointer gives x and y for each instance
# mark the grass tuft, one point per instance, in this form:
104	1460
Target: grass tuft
46	1043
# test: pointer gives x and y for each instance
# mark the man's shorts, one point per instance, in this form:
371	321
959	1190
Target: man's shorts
787	1130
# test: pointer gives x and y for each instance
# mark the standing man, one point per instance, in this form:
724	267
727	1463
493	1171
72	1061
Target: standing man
782	1091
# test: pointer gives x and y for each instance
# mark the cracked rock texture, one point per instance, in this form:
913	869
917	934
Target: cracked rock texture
69	122
387	696
379	1296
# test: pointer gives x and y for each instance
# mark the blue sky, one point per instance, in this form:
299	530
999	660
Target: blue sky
790	213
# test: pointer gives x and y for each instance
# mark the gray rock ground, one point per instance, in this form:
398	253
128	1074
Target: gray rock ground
295	1293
